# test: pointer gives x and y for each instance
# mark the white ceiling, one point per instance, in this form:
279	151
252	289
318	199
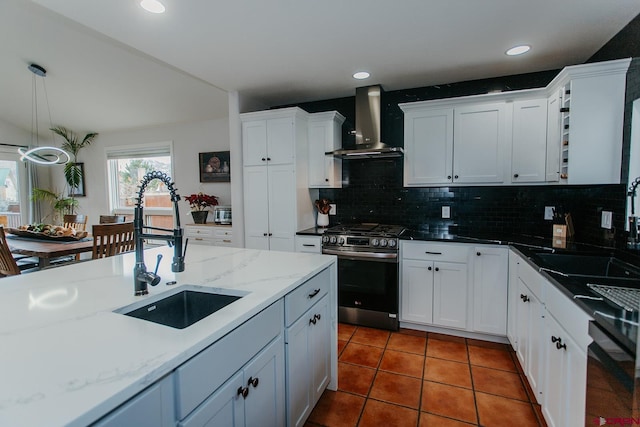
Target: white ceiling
113	66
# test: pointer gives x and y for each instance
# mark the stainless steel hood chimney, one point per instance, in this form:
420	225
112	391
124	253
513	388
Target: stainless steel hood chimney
368	141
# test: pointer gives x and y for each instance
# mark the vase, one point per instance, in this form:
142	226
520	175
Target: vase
323	220
199	217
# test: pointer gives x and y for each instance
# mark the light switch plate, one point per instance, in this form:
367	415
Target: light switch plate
332	209
606	220
446	212
548	212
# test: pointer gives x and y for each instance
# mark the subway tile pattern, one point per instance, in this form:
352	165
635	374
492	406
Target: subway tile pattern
425	379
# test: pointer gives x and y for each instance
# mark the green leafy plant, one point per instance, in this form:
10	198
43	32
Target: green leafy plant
72	145
59	204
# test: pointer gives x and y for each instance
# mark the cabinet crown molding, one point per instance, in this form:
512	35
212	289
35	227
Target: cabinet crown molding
327	115
294	112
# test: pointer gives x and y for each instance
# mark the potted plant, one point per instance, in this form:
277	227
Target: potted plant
199	204
60	205
72	145
323	206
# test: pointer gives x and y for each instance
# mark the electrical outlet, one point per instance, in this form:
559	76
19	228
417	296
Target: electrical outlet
332	209
548	212
606	220
446	212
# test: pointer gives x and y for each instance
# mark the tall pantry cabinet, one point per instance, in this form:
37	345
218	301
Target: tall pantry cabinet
277	201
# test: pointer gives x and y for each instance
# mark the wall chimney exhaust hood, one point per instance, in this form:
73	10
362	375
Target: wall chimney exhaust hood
368	141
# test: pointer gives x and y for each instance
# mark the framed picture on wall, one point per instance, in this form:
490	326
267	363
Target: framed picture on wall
80	191
215	166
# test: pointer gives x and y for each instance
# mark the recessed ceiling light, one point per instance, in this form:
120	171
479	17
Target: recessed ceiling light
518	50
153	6
361	75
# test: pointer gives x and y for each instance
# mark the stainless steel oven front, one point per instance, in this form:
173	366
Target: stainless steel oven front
367	287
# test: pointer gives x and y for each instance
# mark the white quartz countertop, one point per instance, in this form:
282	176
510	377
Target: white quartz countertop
67	359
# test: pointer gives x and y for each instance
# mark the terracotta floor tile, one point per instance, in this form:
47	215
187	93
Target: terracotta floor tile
378	414
355	379
394	388
341	345
413	332
488	344
431	420
337	409
345	331
495	381
402	363
360	354
445	349
408	343
370	336
497	411
448	372
444	337
491	358
448	401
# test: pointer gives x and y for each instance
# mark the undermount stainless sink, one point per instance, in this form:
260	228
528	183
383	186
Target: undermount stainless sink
589	265
183	306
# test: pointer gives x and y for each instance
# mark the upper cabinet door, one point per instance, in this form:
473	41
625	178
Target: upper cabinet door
482	135
554	124
280	141
254	143
325	134
428	143
529	147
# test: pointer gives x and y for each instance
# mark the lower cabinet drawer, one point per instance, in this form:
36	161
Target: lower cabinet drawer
449	252
209	369
301	299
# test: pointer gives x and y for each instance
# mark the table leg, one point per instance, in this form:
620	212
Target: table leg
43	263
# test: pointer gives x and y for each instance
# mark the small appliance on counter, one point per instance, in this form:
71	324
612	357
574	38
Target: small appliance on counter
222	215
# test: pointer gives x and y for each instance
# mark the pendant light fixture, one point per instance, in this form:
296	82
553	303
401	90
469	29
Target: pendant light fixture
46	155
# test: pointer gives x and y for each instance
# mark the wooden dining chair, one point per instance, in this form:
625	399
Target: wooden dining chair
79	222
112	239
112	219
8	266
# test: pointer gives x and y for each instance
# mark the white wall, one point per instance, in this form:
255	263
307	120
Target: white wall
188	140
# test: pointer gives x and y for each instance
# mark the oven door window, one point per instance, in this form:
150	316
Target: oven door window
370	285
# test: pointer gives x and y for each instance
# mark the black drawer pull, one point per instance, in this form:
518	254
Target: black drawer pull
314	293
253	381
555	339
313	320
243	391
561	346
432	253
524	298
308	245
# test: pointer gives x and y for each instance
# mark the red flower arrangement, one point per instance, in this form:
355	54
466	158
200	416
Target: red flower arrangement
201	201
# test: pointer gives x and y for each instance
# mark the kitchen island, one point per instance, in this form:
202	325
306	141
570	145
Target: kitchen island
67	359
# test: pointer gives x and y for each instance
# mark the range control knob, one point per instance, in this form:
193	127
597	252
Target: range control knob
333	240
341	240
325	239
383	242
392	243
374	242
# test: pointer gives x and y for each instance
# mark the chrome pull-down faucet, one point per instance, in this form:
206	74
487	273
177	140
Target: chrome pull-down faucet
142	278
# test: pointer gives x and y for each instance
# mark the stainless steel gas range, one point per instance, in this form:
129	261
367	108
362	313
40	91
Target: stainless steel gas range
368	270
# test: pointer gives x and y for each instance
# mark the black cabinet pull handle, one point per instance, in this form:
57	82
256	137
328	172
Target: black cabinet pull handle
308	245
478	253
437	269
253	381
243	391
313	320
555	339
561	346
448	176
314	293
317	316
432	253
429	268
264	234
326	179
455	176
515	175
270	234
268	159
264	160
524	298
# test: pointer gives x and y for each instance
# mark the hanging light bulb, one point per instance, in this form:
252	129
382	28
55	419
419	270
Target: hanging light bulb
46	155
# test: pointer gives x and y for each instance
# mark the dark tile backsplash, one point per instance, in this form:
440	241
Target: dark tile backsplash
373	192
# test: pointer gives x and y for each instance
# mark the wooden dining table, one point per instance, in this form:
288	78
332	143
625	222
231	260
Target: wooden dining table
46	250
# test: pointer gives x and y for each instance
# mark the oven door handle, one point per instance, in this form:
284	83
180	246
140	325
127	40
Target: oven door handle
388	257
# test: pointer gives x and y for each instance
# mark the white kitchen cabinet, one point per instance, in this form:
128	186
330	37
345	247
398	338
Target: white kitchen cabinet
490	289
591	122
325	134
434	284
458	144
311	244
253	396
276	202
512	299
554	141
209	234
308	364
565	377
529	142
153	407
428	144
481	138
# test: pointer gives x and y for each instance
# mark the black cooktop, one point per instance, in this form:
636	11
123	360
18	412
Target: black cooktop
367	229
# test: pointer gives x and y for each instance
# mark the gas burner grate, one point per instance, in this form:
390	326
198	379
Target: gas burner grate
627	298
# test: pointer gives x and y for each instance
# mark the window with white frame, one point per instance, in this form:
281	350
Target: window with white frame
126	166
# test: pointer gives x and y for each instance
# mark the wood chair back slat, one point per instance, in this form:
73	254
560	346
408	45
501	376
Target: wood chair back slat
112	239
